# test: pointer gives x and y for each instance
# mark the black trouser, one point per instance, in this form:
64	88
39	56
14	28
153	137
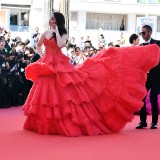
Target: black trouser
154	88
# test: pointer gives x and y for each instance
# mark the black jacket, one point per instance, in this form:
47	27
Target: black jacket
154	73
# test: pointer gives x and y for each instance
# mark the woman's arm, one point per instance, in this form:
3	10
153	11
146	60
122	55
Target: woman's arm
40	43
61	40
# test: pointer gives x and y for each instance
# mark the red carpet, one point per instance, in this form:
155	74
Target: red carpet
129	144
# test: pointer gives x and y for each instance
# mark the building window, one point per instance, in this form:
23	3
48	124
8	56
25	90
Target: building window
13	19
74	20
19	22
149	1
153	21
74	16
24	19
106	21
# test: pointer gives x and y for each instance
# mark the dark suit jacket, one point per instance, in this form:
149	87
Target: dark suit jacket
154	73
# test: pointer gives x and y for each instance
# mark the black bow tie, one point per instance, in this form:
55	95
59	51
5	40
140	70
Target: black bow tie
146	43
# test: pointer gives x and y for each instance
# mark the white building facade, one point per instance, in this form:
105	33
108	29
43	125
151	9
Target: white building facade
87	17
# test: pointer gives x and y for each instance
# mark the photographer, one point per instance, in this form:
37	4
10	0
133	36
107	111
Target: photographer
36	36
3	32
17	91
31	55
4	69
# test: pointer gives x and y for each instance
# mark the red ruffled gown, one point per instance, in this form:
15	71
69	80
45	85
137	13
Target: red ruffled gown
97	97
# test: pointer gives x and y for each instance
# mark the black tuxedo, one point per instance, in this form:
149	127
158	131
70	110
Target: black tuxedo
152	84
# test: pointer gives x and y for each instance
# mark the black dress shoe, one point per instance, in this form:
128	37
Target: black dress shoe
141	125
153	126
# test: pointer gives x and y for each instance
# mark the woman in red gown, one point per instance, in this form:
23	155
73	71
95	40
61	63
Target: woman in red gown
94	98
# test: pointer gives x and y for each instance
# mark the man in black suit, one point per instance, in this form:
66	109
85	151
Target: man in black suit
152	84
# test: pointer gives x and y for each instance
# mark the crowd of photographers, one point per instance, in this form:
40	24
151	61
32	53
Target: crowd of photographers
15	55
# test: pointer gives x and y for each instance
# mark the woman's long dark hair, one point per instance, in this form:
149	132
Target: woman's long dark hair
60	23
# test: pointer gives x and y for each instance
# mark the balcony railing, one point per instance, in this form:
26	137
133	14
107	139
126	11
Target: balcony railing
18	28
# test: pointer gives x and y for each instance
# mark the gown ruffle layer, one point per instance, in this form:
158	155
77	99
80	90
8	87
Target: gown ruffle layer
94	98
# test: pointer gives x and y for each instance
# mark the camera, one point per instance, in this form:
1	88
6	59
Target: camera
5	32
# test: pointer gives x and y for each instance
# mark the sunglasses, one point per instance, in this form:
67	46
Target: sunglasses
142	33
